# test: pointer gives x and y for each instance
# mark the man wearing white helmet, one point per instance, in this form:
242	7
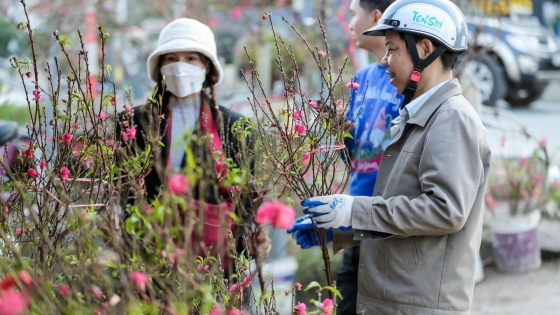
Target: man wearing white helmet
420	232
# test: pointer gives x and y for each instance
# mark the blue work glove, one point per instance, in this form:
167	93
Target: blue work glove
303	232
330	212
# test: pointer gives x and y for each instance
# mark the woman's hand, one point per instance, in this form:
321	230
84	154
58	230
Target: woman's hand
260	245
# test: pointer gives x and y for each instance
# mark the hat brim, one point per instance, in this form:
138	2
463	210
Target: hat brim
177	45
378	30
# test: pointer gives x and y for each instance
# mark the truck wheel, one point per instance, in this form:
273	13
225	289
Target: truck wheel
521	98
488	74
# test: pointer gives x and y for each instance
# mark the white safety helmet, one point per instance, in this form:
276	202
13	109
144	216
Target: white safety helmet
438	20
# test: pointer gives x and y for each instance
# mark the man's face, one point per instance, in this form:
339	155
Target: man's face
397	60
360	22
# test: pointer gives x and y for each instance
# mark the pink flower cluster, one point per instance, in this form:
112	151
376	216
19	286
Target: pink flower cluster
277	214
178	184
352	85
129	134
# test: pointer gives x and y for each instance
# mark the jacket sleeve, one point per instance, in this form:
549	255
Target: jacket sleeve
450	173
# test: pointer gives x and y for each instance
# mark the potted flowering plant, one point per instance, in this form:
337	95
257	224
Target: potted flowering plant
517	192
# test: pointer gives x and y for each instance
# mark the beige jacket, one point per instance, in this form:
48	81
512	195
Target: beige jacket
420	232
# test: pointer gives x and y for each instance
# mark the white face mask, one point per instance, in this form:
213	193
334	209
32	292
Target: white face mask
183	79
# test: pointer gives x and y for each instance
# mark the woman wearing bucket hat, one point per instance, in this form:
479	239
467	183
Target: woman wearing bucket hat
183	113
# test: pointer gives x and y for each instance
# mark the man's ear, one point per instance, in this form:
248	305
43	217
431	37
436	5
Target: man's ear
375	16
425	48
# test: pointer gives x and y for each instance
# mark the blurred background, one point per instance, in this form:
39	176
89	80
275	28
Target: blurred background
512	69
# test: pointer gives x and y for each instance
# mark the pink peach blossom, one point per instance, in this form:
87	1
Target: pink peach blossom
97	292
178	184
299	128
32	172
64	289
67	138
298	114
216	310
42	164
28	153
306	156
285	93
313	104
277	214
139	279
246	282
25	277
522	162
102	115
327	306
301	309
542	143
297	286
18	231
13	303
352	85
64	173
235	312
128	108
37	94
287	292
322	53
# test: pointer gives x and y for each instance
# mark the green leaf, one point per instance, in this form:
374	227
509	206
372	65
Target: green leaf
312	285
333	290
348	135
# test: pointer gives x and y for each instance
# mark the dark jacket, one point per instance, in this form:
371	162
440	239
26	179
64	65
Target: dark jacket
145	119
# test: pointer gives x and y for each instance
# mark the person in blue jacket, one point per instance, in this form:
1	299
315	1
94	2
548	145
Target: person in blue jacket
372	108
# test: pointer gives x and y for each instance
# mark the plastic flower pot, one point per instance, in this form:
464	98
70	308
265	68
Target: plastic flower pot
515	242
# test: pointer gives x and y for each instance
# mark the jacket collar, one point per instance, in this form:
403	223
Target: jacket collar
448	90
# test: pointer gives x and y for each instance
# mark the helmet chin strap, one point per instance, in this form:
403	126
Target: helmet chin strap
419	66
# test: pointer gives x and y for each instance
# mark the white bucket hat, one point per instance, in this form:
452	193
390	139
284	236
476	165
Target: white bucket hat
185	35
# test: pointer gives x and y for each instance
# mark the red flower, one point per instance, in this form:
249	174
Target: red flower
264	17
7	283
64	289
178	184
299	128
297	286
285	93
313	104
306	156
28	153
42	164
235	312
279	215
301	309
18	231
32	172
287	292
37	94
298	114
102	115
64	173
13	303
139	280
66	137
